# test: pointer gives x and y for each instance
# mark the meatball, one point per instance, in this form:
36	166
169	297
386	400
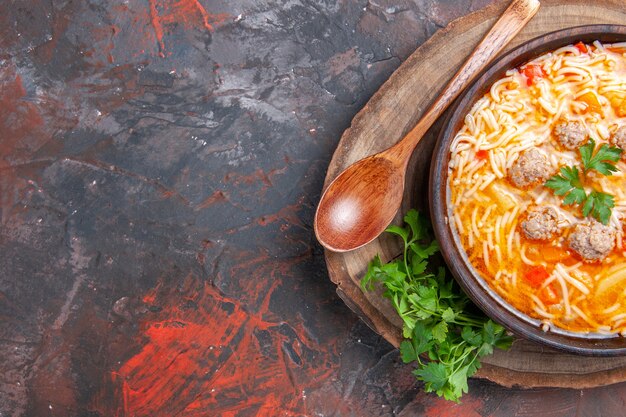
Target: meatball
618	138
592	240
540	223
571	135
531	167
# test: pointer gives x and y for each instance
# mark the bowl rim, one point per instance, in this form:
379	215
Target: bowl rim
475	287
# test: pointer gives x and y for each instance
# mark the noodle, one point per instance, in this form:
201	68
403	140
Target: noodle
518	115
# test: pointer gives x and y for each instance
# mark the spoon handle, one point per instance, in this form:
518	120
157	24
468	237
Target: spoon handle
508	25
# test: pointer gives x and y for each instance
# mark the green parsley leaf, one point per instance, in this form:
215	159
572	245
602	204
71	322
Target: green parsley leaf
569	185
418	225
490	331
503	341
407	352
427	297
434	374
367	283
398	231
448	315
485	349
440	330
599	205
586	151
425	251
471	336
433	309
418	266
604	159
421	342
458	382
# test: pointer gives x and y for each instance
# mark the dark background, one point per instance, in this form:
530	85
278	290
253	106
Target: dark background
160	164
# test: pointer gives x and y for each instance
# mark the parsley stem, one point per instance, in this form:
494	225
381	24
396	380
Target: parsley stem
468	322
464	355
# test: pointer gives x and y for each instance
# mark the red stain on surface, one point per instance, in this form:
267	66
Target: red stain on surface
204	352
208	20
113	30
259	176
150	296
60	23
121	77
184	12
21	125
217	197
156	24
287	214
439	407
18	117
200	256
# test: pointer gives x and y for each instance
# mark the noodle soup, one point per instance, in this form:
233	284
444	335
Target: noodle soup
554	253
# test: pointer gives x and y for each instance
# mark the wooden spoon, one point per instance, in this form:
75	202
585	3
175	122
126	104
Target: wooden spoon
361	202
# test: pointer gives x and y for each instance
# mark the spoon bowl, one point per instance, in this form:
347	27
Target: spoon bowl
360	203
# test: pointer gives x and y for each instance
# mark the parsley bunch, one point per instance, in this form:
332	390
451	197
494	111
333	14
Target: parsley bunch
437	321
570	184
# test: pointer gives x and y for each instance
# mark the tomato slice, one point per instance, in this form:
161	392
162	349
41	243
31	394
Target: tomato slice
536	276
532	72
482	154
581	47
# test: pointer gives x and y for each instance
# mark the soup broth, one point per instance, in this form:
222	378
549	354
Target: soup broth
556	257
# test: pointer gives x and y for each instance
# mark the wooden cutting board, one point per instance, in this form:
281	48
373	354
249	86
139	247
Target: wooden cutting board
391	112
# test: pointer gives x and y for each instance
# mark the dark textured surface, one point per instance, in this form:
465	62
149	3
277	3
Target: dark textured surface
160	162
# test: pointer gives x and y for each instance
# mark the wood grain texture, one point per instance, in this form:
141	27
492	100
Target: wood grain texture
362	200
513	19
389	115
